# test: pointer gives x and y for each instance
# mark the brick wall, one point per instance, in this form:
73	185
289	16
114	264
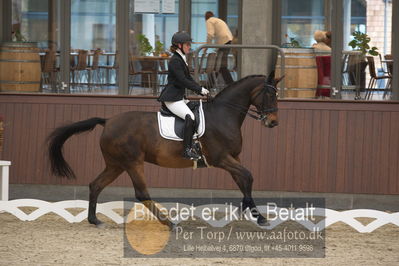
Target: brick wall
375	24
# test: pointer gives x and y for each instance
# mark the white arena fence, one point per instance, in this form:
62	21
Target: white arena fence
108	209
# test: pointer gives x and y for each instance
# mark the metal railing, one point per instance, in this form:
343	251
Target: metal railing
246	46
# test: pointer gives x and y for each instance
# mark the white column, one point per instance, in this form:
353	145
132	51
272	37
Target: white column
347	24
149	27
4	171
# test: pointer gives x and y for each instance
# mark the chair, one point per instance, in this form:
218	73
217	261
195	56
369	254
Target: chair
324	76
202	67
106	79
49	70
190	62
233	68
72	66
383	66
80	67
209	71
389	64
134	65
94	67
163	72
220	66
374	78
344	70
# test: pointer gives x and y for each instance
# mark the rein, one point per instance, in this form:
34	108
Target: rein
257	115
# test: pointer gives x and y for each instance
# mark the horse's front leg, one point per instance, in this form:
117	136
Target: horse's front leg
136	173
244	180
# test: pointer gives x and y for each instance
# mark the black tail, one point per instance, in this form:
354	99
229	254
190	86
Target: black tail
57	139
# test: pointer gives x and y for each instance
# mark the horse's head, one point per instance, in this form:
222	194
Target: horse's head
265	101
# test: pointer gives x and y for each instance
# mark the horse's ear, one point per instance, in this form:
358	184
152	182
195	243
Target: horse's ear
270	78
277	80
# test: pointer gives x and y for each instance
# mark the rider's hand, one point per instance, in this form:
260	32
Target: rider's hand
204	91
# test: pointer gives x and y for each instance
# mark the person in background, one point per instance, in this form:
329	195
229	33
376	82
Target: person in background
218	31
173	96
328	38
321	39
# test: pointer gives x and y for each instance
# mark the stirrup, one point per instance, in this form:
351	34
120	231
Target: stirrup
191	154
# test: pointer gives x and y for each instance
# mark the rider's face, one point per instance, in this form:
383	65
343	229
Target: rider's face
186	47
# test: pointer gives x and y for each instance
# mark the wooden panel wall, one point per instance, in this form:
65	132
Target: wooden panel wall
319	146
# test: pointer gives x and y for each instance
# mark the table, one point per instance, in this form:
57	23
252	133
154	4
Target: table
4	180
150	69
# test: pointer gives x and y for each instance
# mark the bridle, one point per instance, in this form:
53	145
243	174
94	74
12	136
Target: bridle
254	113
262	114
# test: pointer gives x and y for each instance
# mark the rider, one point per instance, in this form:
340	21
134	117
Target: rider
173	96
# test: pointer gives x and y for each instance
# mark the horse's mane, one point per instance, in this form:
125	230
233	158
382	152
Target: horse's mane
238	83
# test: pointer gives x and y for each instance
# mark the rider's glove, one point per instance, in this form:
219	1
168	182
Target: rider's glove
204	91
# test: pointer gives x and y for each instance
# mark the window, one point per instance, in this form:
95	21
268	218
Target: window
198	26
32	21
154	26
360	70
299	21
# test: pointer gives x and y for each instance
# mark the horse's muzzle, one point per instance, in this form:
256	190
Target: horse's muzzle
271	121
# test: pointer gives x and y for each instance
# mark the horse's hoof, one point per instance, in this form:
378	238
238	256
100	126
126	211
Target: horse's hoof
96	222
262	221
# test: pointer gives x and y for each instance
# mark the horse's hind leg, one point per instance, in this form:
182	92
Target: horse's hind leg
107	176
244	180
136	173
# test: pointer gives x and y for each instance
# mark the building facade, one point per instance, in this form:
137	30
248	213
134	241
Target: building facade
122	30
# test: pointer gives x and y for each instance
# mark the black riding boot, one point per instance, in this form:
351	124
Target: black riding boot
189	152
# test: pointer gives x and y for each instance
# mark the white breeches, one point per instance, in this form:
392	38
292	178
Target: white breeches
180	109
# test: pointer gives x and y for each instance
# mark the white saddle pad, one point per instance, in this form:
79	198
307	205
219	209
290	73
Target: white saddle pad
167	126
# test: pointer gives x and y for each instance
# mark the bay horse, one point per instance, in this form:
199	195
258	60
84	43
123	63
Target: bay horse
129	139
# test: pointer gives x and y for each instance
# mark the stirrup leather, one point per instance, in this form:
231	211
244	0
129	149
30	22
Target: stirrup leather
191	154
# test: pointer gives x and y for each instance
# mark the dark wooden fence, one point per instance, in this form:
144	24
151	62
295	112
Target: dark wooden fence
319	146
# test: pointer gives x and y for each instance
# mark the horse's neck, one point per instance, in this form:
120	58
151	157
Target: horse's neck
234	104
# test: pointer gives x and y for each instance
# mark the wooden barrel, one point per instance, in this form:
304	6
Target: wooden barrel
300	72
19	67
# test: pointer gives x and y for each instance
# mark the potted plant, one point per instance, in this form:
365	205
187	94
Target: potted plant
360	43
291	42
18	37
145	47
159	48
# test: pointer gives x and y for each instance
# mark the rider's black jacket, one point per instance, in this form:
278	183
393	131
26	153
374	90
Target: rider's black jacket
179	79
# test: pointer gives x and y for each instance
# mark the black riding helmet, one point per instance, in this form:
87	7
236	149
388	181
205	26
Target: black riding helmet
181	37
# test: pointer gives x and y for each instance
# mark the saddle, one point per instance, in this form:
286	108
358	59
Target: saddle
171	126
